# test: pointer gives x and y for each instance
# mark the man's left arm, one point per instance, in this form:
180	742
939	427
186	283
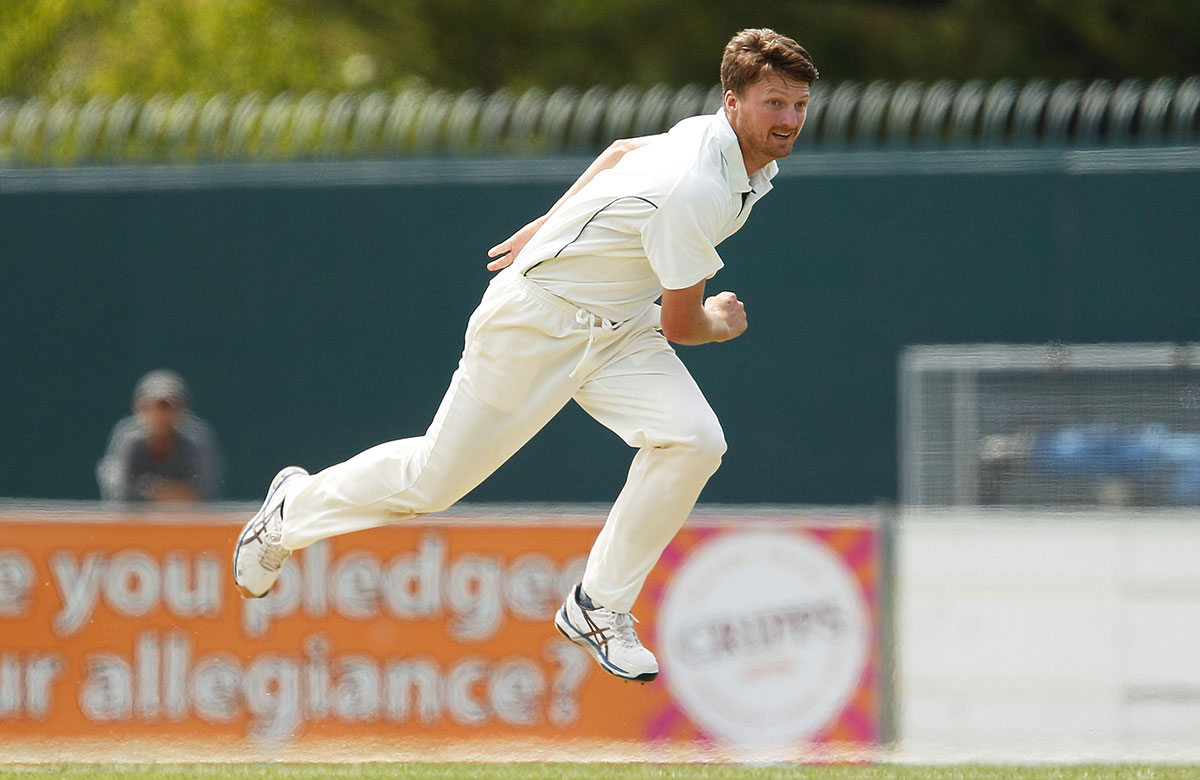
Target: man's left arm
208	462
680	238
688	318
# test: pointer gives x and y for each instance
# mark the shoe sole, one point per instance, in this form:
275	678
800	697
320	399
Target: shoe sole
595	652
247	594
276	483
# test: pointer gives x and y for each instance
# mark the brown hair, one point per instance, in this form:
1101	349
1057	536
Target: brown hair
752	53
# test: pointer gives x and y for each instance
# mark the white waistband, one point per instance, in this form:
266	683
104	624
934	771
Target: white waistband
582	315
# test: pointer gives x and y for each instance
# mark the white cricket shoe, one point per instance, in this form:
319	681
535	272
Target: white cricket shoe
609	637
259	556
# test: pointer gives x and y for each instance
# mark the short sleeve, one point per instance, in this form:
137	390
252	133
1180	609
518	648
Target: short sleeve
679	238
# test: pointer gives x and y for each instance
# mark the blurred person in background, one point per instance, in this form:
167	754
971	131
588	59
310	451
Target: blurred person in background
162	452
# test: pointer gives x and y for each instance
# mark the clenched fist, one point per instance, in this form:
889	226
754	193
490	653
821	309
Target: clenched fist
729	314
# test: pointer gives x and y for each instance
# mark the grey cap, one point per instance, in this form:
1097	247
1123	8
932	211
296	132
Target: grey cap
161	385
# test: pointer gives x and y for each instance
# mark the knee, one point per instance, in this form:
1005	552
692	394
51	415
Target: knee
705	443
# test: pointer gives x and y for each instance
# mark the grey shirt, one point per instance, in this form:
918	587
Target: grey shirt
128	470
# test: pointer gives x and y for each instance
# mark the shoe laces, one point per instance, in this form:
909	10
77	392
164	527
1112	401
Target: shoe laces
623	629
273	554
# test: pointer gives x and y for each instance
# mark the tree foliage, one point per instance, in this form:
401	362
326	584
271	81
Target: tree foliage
109	47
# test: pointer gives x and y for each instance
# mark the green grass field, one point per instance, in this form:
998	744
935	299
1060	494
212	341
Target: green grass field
519	771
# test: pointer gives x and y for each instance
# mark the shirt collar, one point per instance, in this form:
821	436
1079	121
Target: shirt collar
739	180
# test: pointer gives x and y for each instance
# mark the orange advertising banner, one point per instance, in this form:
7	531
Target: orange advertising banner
765	624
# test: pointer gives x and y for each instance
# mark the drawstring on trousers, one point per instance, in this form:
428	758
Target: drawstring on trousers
585	317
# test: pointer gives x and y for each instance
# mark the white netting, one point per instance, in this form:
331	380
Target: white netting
1058	425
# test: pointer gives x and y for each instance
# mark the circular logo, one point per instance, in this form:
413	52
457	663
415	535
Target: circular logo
764	637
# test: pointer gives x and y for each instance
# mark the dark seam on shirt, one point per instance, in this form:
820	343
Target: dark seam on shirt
585	227
745	197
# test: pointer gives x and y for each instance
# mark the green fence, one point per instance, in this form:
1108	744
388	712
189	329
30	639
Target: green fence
319	308
417	123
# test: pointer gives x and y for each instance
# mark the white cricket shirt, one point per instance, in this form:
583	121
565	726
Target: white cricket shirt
651	222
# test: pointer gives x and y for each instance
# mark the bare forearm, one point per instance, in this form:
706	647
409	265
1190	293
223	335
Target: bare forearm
690	319
705	329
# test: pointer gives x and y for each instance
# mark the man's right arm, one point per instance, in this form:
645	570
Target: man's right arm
506	251
113	470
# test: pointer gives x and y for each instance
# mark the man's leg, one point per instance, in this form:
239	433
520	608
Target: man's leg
648	398
514	375
468	440
512	379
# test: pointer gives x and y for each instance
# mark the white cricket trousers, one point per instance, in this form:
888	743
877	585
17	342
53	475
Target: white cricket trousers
527	354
